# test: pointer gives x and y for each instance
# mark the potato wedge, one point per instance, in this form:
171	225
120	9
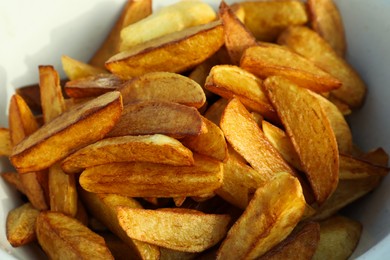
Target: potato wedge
183	229
347	192
169	254
210	142
266	19
92	86
164	86
342	106
158	117
5	142
20	225
70	131
179	201
237	36
22	124
32	96
268	60
132	12
228	81
214	112
300	244
310	45
310	132
147	148
377	156
103	207
140	179
13	179
174	52
286	209
245	136
169	19
326	20
355	168
75	69
339	237
63	237
239	182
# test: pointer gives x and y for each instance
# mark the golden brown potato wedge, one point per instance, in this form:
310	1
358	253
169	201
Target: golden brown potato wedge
140	179
103	207
174	52
214	112
20	225
164	86
301	244
169	19
13	179
310	132
132	12
5	142
185	230
239	182
342	106
210	142
286	209
339	237
92	86
169	254
310	45
63	237
22	124
355	168
266	19
144	148
158	117
75	69
269	60
228	81
326	20
237	36
70	131
347	192
245	136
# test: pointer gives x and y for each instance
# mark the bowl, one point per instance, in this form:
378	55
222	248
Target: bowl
38	32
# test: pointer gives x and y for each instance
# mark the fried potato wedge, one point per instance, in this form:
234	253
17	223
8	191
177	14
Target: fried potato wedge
342	106
132	12
210	142
13	179
214	112
282	143
20	225
92	86
237	36
269	60
32	96
355	168
164	86
22	124
169	19
339	125
169	254
70	131
103	207
147	148
158	117
286	209
310	132
63	237
347	192
184	230
326	20
239	181
174	52
339	237
266	19
5	142
300	244
228	81
310	45
154	180
377	156
75	69
245	136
